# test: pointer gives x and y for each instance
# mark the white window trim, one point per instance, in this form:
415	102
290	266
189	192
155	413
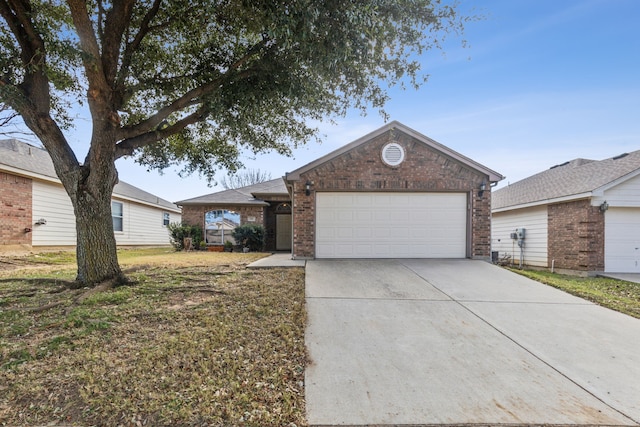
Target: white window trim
115	216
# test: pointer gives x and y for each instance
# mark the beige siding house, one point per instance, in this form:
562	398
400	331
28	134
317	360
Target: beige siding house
582	215
40	213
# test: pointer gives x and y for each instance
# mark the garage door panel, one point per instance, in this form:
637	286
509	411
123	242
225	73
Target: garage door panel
391	225
622	240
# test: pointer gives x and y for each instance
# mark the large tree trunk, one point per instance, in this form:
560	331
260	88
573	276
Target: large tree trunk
96	244
90	192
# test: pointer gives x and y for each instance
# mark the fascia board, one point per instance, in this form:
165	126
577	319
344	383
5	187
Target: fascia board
116	196
28	174
599	192
545	202
295	175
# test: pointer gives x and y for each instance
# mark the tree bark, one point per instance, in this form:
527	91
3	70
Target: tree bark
90	194
96	244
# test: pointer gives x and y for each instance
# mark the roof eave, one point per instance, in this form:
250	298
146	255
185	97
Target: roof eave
28	174
600	190
562	199
221	204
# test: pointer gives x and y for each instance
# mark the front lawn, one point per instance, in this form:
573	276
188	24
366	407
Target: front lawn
197	340
611	293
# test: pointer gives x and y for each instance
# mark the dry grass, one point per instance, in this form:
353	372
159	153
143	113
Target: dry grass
197	340
611	293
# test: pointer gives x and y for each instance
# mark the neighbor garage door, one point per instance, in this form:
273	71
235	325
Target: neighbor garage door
622	240
391	225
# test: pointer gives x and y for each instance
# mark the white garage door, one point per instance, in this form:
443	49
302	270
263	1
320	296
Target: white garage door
622	240
391	225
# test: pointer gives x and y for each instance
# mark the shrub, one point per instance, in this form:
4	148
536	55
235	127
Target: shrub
249	236
178	232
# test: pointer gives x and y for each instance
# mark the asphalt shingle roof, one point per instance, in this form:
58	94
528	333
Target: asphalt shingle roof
240	196
576	177
33	159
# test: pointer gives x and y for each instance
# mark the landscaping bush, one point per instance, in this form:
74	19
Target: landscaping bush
178	232
249	236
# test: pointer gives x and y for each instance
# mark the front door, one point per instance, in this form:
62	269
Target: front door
283	232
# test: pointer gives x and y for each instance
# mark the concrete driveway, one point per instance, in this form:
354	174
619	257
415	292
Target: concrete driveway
419	342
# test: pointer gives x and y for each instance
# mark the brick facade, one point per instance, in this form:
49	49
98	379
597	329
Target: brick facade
576	236
424	169
15	210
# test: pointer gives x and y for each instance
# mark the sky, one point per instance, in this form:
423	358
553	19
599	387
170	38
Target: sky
540	82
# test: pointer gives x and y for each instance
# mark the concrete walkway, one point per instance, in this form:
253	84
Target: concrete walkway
450	342
277	260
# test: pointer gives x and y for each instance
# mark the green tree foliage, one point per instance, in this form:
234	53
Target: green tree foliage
249	236
192	83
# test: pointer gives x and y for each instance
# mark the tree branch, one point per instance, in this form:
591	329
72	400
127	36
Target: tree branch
127	57
194	96
128	146
88	40
117	20
35	86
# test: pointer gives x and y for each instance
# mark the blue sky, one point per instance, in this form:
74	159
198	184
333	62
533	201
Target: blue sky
541	82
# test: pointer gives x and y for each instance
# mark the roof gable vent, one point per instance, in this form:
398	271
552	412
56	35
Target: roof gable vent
393	154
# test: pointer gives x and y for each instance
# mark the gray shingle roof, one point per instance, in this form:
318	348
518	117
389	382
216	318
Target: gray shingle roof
241	196
573	178
30	158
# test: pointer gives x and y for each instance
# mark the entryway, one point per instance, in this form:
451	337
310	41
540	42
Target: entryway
283	232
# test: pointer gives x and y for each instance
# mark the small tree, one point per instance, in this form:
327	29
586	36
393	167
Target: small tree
250	236
246	178
178	232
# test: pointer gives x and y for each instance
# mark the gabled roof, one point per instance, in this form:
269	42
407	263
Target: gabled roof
29	160
493	175
248	195
576	179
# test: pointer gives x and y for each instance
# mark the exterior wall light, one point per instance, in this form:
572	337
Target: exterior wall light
307	188
481	189
41	221
604	206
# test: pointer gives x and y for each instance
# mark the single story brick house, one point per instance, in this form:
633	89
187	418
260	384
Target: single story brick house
582	215
36	212
392	193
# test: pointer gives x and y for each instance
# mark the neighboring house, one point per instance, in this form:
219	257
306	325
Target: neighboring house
582	215
35	210
392	193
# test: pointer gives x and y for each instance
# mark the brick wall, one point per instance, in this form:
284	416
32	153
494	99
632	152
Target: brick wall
15	210
362	169
576	236
194	215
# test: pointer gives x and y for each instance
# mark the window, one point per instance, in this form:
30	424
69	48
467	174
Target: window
218	226
117	215
166	217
